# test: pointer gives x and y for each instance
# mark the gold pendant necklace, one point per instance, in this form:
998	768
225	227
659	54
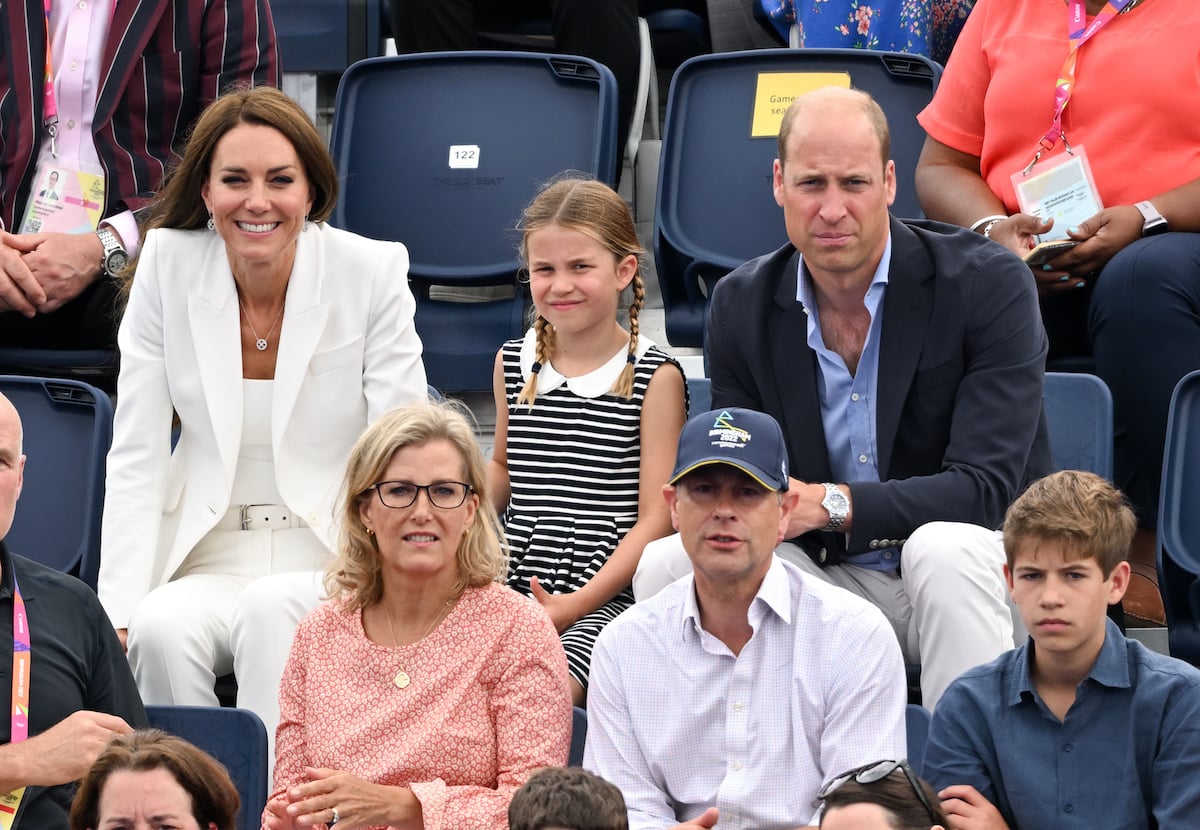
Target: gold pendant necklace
402	679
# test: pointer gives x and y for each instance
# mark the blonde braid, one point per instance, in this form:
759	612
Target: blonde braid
624	385
541	356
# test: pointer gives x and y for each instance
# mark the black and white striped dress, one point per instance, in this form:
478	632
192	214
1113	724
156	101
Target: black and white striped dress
573	462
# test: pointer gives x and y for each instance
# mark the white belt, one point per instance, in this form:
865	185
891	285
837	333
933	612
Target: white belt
260	517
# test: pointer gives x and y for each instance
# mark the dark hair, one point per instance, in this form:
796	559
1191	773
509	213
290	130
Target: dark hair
895	795
567	797
179	203
212	792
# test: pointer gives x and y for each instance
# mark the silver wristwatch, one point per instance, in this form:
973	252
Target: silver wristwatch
115	256
837	504
1153	222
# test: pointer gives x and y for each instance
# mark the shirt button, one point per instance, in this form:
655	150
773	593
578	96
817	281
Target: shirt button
71	124
1067	747
313	519
74	65
1070	808
737	707
863	459
83	4
737	765
888	554
854	397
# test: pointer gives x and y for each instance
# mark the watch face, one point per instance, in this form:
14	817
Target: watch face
1155	227
115	261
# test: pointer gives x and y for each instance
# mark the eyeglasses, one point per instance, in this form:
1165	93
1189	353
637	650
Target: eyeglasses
872	773
446	495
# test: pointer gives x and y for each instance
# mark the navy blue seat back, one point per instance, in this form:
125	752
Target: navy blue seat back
235	737
578	736
1079	415
68	428
916	729
442	151
326	35
716	208
1179	522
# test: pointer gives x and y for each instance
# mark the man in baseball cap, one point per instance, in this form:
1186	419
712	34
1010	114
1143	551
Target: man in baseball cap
732	692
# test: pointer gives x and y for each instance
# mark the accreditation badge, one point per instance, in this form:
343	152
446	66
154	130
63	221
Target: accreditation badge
1061	188
64	201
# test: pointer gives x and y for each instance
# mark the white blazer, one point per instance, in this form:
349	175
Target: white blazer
348	352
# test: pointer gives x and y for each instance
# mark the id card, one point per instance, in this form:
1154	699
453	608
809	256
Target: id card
1059	188
65	201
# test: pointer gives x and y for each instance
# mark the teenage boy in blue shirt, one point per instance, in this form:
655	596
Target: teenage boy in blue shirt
1079	727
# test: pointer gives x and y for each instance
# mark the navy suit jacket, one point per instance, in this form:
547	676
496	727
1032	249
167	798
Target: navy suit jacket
165	60
959	429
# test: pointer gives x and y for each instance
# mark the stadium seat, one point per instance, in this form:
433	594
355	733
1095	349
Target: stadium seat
578	737
715	204
67	429
1179	522
317	36
916	729
235	737
1079	415
442	151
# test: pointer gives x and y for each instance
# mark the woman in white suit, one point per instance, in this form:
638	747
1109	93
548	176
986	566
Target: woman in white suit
275	339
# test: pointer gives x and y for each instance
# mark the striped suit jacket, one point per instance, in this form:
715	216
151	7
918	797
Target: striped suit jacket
165	60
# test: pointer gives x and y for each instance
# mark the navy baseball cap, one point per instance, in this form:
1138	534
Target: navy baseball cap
742	438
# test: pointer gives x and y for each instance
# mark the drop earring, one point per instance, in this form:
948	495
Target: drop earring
211	225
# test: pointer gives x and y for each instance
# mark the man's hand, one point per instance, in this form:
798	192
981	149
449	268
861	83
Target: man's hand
19	290
809	513
968	810
61	754
62	263
704	821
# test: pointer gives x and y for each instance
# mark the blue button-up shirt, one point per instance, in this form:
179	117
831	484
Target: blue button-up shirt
848	401
1127	755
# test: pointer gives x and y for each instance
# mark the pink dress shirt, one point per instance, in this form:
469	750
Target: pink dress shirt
488	703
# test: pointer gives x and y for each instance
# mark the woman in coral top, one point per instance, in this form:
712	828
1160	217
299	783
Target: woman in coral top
424	693
1121	81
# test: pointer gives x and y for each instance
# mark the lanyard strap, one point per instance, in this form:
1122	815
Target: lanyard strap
49	101
21	662
1079	32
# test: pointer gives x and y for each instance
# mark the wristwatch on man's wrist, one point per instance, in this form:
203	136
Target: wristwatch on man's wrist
1153	222
115	256
837	504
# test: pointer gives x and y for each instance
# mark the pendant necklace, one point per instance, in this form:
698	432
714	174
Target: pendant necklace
260	343
402	679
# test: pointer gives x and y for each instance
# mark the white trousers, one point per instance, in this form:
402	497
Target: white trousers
949	607
233	607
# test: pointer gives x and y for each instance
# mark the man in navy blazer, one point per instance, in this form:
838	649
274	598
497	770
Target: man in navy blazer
160	62
904	361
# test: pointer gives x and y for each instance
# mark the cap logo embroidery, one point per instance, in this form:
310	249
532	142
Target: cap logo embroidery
726	434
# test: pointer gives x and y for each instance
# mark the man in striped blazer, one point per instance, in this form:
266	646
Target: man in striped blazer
129	78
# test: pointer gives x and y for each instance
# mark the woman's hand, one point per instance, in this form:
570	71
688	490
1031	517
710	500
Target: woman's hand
1018	232
359	803
562	608
1100	239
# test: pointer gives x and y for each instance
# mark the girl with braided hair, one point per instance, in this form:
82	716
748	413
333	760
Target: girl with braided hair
587	417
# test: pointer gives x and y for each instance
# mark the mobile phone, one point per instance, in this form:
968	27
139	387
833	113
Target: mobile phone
1047	251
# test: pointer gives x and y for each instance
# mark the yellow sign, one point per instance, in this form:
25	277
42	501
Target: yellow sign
777	90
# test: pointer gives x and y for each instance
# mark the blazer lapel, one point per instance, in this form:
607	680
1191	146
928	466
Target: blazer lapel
907	308
134	23
304	319
216	339
796	378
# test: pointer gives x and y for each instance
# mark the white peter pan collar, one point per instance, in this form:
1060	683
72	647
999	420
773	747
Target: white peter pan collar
591	385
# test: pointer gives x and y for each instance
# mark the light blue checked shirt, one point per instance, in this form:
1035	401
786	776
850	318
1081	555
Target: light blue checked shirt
680	724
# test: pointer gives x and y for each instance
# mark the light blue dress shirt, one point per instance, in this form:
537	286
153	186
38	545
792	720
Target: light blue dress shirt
848	401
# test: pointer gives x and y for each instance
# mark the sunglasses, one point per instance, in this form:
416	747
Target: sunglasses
871	773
